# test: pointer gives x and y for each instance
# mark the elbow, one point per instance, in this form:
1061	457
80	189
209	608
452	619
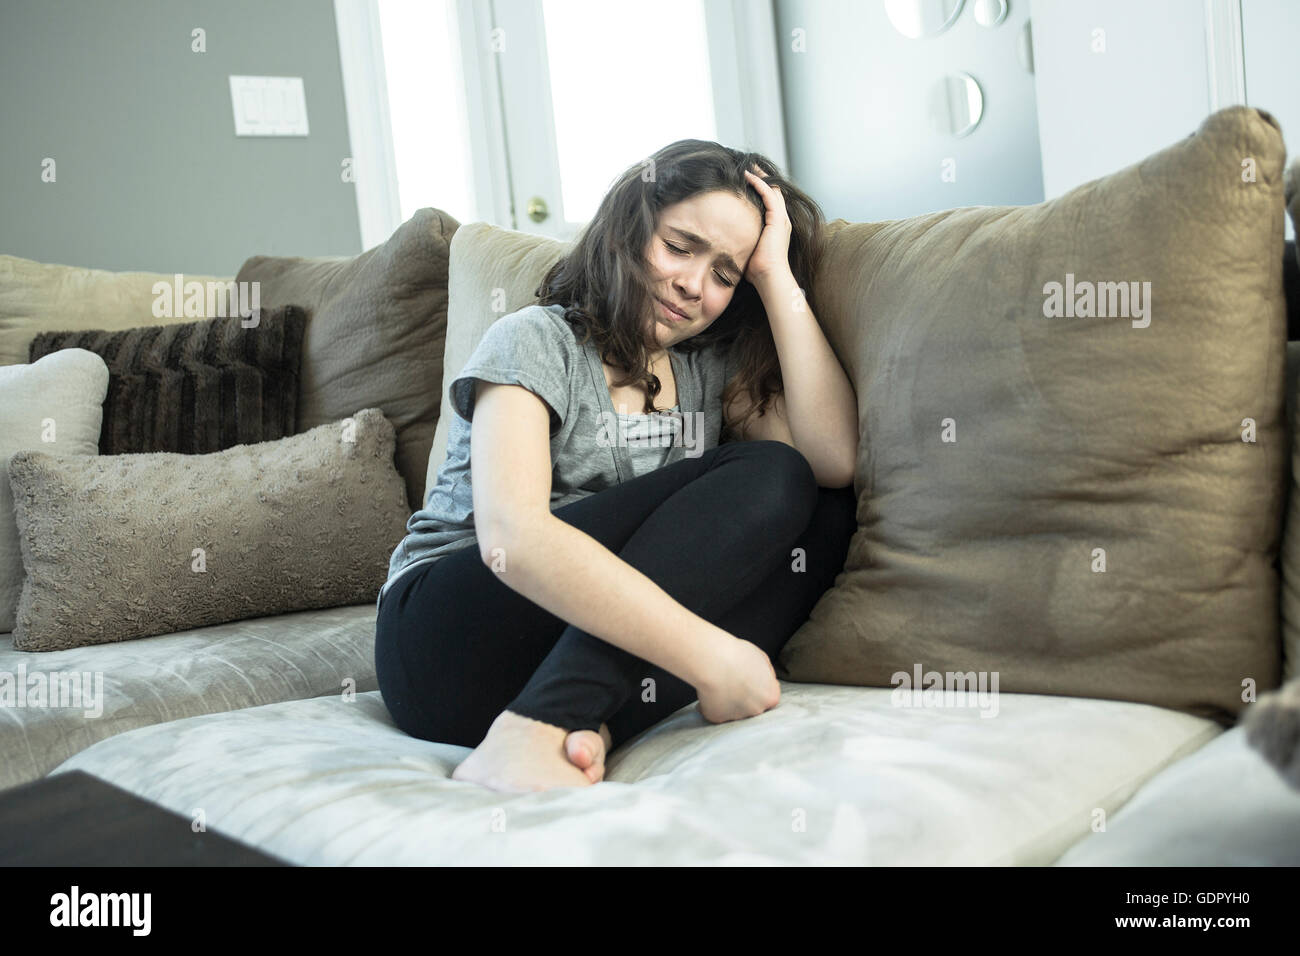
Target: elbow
837	478
838	472
501	541
495	541
848	465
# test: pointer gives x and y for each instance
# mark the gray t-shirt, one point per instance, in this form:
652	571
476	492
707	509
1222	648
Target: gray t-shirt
592	447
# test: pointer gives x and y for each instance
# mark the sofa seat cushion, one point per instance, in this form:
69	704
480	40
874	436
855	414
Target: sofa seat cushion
200	671
833	774
1225	805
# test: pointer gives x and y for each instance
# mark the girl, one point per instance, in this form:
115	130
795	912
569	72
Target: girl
627	562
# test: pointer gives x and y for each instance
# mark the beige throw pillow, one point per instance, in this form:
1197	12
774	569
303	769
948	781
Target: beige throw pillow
375	335
488	265
1068	502
126	546
38	296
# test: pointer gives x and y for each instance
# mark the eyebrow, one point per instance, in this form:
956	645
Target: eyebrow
725	259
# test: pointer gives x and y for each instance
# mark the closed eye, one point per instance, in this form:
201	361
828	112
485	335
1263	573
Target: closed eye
681	252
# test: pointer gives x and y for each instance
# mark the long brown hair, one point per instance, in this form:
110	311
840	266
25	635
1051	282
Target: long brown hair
605	282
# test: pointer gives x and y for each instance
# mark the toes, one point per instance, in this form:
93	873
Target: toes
581	749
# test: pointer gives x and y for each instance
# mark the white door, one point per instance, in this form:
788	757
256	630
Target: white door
588	88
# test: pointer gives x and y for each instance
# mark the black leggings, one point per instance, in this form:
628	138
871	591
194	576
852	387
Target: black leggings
455	646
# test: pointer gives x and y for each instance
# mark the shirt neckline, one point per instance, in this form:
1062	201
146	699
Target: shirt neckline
687	400
664	413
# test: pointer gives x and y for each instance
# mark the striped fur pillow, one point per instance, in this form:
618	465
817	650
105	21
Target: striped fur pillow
195	387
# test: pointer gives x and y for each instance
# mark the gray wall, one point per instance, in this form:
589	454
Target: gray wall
150	173
857	126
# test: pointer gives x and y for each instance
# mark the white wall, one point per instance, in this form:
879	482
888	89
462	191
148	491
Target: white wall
1271	36
1101	111
857	128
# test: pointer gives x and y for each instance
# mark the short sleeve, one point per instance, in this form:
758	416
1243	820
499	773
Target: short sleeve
526	348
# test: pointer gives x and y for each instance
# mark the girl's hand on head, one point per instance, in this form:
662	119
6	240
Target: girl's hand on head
771	256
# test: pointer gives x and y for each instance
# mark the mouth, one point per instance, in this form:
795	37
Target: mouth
673	313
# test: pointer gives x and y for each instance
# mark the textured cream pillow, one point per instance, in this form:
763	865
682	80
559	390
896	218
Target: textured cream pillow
54	405
124	546
1005	454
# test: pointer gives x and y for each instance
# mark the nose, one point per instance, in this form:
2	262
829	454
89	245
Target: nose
688	281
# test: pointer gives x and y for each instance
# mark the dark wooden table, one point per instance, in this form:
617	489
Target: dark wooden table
77	819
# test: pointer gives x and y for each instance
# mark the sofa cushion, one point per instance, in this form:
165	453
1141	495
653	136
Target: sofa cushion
494	272
126	546
52	405
1224	805
35	296
375	336
1084	505
833	775
205	670
195	387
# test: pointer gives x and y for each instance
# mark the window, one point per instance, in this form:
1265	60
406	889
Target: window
426	104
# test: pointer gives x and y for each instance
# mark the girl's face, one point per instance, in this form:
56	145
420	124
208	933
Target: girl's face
698	254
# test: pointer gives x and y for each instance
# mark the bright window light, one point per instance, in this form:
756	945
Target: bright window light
426	103
626	79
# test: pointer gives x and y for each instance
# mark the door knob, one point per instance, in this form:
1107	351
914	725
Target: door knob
537	210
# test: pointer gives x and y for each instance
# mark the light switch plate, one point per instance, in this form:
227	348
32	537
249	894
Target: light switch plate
269	105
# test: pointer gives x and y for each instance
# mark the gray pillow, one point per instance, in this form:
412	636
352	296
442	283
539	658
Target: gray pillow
126	546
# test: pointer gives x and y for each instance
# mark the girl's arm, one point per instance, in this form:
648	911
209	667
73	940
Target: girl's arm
561	568
818	412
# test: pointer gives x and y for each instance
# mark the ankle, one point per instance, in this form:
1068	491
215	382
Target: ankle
512	719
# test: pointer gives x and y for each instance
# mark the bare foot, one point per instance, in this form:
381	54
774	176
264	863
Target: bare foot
520	754
587	749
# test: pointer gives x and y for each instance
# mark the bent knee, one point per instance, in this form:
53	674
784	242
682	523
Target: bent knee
785	480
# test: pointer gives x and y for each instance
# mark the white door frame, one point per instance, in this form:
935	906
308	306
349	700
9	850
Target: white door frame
370	131
1225	54
746	73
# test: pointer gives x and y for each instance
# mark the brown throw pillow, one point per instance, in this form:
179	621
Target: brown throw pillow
195	387
126	546
1087	506
375	340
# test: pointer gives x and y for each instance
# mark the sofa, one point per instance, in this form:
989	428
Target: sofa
272	725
